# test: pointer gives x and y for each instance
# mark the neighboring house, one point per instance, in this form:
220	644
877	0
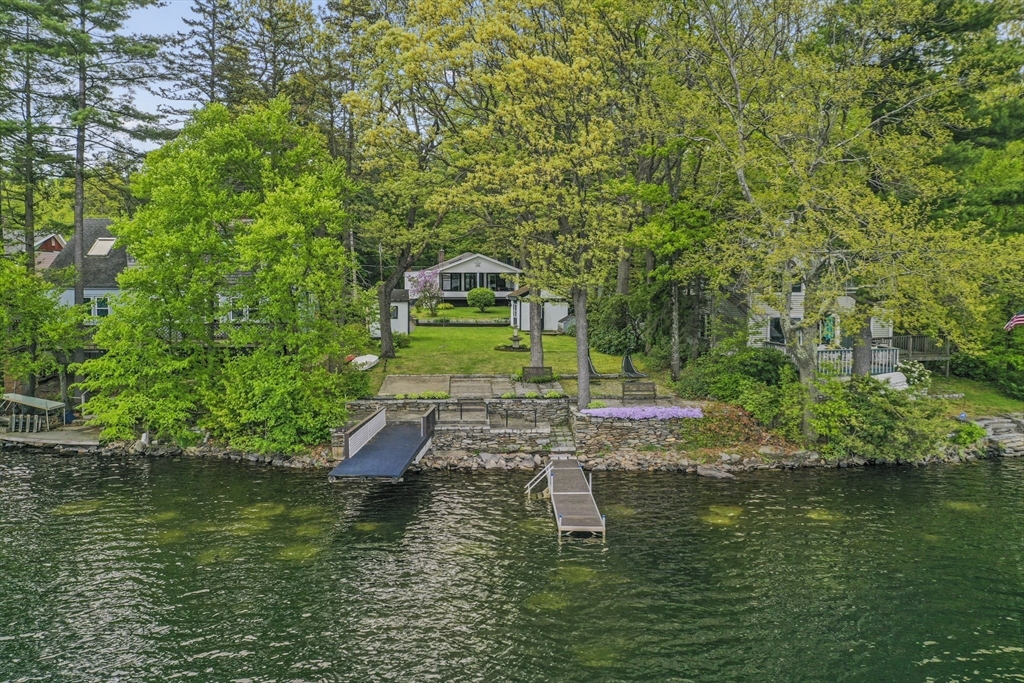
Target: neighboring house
458	275
103	262
835	348
401	323
553	312
766	326
46	248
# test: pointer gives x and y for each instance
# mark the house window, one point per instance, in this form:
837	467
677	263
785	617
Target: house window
394	312
775	334
451	282
497	283
102	246
98	307
469	281
798	287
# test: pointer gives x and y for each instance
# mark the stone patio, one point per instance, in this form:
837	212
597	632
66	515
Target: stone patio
462	386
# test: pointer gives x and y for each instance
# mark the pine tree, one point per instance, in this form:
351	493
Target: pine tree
206	62
105	65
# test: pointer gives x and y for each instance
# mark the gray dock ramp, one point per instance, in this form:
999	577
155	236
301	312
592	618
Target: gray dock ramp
572	498
376	449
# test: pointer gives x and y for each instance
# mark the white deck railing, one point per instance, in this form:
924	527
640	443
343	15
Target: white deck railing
839	362
361	434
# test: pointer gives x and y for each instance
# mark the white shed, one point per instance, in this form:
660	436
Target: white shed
553	311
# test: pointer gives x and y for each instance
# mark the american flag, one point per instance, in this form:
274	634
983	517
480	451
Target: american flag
1014	321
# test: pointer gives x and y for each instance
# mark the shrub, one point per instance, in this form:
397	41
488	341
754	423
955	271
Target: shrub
434	395
509	394
400	340
400	397
481	298
554	394
445	306
615	328
916	373
967	434
597	404
867	418
531	394
1003	367
517	376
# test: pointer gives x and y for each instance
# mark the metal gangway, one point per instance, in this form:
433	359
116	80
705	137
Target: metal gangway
572	496
377	449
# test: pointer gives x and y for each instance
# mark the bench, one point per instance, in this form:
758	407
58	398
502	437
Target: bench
541	374
639	390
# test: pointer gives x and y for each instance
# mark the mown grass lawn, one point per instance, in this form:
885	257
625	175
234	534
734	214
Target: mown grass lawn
979	398
470	351
465	313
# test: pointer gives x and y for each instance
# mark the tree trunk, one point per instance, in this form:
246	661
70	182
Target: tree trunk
862	349
62	369
649	265
674	362
579	299
387	343
79	208
622	277
695	319
30	181
80	179
355	262
805	357
536	333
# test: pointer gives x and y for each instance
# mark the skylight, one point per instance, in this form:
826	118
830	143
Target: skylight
102	246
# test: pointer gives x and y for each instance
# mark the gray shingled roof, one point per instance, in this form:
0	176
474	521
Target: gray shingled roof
97	271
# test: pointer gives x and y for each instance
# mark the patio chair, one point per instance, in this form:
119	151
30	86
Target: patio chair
594	374
629	370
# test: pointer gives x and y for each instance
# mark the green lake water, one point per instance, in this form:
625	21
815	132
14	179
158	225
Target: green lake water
142	570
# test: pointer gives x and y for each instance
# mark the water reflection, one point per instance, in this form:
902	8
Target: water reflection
155	570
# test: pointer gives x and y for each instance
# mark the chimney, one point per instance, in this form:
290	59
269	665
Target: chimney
440	256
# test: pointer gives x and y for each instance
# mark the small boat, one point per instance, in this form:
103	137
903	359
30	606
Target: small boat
364	363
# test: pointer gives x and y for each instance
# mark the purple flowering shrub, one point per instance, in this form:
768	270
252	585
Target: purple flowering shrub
425	289
646	412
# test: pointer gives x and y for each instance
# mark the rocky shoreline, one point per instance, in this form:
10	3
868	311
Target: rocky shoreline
1005	438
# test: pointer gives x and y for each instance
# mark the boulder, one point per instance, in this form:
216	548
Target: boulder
714	473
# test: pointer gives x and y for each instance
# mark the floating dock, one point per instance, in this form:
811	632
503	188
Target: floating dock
572	496
374	449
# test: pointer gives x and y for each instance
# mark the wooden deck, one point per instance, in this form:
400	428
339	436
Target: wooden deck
572	499
65	436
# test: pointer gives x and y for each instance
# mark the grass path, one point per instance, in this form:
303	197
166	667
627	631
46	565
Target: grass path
470	350
979	398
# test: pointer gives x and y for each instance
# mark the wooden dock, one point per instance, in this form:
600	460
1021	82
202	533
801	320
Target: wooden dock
69	437
572	496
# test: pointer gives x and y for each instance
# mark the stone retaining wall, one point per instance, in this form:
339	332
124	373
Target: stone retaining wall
597	435
480	438
549	410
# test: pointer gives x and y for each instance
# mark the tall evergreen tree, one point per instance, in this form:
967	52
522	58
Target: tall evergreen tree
206	63
105	65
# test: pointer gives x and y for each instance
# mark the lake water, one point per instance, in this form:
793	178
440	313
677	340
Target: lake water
140	570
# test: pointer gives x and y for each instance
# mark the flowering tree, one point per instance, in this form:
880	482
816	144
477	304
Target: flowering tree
424	288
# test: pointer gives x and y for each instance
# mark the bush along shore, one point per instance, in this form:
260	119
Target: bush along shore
1004	438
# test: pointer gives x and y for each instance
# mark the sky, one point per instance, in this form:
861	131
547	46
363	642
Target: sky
161	21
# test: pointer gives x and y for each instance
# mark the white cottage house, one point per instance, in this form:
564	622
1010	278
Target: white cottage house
456	276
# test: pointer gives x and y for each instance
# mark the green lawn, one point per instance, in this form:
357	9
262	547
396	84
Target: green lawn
979	398
466	313
470	351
